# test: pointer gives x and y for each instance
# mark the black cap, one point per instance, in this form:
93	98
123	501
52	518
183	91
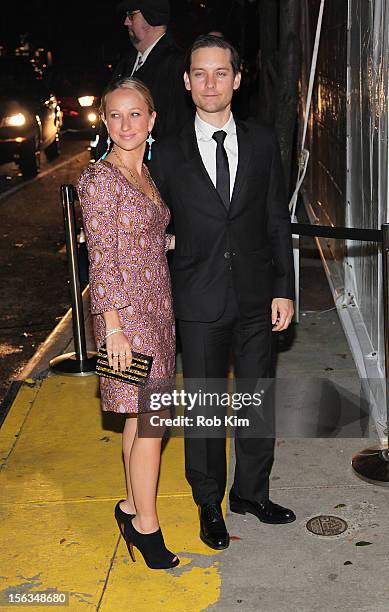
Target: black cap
156	12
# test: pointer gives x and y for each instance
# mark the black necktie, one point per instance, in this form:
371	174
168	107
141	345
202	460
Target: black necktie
222	168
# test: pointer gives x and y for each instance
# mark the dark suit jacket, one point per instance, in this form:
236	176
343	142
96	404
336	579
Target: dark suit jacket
162	72
250	242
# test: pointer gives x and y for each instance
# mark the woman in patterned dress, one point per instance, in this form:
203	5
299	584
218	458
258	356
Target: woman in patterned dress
125	222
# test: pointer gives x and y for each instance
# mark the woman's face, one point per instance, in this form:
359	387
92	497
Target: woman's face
128	119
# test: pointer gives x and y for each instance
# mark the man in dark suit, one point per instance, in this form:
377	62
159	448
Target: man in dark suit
232	273
155	59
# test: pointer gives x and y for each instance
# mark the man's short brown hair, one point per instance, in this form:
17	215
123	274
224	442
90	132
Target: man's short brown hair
208	41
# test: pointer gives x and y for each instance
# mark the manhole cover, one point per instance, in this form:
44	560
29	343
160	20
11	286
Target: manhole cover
326	525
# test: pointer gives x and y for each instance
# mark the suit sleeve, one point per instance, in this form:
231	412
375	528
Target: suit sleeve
123	68
173	103
180	99
158	173
100	213
279	228
159	177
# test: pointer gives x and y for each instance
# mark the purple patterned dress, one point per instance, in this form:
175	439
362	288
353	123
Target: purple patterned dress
126	240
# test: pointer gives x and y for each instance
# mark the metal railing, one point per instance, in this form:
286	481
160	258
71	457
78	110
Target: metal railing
79	362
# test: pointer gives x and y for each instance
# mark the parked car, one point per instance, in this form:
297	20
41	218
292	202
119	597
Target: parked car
30	116
79	87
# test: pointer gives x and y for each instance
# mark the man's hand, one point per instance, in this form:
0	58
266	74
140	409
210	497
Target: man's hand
281	313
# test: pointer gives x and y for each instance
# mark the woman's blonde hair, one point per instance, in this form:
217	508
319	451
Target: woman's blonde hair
128	83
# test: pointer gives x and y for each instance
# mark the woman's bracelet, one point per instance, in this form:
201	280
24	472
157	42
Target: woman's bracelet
115	330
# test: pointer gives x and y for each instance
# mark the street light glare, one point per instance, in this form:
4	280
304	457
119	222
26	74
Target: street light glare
86	100
15	120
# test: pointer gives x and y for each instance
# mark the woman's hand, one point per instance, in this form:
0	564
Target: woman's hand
119	351
170	242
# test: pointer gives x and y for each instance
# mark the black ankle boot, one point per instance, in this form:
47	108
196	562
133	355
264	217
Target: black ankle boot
122	517
151	546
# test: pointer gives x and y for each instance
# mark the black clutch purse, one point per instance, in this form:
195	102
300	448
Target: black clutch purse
137	374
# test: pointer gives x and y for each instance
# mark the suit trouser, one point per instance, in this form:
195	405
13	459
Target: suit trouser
206	350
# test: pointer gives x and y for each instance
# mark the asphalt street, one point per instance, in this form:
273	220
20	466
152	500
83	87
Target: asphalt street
34	291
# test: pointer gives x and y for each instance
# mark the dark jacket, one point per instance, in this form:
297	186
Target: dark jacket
162	72
249	244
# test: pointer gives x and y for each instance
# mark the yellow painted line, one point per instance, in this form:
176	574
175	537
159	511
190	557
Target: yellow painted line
89	500
61	482
194	585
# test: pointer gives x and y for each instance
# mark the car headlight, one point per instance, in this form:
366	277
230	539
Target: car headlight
86	100
92	117
16	120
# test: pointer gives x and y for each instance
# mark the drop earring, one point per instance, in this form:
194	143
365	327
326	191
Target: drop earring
150	142
108	148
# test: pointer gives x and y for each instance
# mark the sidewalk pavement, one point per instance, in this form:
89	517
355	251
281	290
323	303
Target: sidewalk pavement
60	477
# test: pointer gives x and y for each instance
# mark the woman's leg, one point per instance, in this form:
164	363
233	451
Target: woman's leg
128	437
144	471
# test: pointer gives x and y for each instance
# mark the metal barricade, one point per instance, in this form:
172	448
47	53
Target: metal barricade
80	362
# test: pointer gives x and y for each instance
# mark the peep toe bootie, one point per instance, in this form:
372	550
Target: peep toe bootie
122	517
151	546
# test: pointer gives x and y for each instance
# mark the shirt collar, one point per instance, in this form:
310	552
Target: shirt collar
147	51
205	130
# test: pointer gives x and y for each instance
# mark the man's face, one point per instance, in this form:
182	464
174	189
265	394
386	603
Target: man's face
211	79
137	27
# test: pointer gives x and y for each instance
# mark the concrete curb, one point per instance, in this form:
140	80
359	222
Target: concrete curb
59	341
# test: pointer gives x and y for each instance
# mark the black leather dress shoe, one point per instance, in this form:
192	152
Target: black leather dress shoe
213	531
266	511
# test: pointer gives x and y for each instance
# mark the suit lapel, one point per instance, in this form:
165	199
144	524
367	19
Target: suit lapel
244	152
154	56
192	155
131	61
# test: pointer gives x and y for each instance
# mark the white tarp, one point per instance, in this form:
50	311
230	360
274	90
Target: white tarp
347	177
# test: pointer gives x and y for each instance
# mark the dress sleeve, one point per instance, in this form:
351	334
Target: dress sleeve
99	194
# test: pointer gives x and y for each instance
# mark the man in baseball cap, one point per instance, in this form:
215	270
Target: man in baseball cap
155	12
156	60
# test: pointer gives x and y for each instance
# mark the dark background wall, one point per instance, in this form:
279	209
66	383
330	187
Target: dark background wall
94	30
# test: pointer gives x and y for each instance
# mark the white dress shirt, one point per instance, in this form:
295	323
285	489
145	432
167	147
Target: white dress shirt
207	147
142	57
